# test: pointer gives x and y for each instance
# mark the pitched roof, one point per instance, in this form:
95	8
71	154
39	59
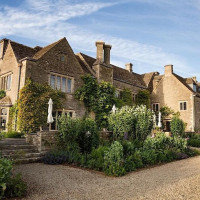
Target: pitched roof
44	50
21	51
183	81
119	73
5	101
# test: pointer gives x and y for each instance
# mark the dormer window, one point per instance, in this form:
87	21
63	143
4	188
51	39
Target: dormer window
62	58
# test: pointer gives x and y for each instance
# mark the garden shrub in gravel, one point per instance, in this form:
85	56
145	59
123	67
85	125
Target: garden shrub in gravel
96	158
10	185
113	160
177	126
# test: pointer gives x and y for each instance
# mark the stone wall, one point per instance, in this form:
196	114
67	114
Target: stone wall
43	140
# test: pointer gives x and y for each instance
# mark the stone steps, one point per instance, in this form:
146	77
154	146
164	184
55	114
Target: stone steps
19	151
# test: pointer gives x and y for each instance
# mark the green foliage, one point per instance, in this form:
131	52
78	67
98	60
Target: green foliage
125	99
137	121
83	132
16	187
98	98
96	158
5	174
54	157
2	94
113	160
166	111
143	98
194	142
162	148
88	92
177	126
12	134
12	117
88	135
68	129
33	104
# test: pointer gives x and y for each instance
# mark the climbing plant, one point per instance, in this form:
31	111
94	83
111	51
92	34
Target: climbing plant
33	105
126	98
97	97
12	117
143	98
2	94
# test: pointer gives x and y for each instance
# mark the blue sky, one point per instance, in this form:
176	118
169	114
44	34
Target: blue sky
148	33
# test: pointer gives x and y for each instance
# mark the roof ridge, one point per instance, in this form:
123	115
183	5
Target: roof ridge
21	44
45	49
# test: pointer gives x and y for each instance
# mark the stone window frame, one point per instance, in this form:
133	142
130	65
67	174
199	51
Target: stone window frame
154	104
58	113
183	106
4	116
62	76
4	81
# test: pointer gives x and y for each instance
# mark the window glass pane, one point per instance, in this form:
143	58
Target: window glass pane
58	82
180	106
53	82
8	82
70	114
69	85
157	108
63	84
62	58
3	111
185	105
3	123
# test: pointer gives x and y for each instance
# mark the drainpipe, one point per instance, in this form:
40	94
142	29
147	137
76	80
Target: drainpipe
193	112
19	79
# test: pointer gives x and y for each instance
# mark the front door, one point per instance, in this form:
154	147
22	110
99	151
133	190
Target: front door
168	129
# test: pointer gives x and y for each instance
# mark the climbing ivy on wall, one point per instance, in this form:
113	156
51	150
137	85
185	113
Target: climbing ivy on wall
2	94
33	105
97	97
143	98
126	98
12	117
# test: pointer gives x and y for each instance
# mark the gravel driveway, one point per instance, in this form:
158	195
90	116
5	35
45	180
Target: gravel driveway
177	180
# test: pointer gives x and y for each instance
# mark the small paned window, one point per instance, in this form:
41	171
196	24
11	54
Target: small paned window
6	82
61	83
53	81
155	107
183	105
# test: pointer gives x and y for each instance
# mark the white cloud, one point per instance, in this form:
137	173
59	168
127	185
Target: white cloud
48	21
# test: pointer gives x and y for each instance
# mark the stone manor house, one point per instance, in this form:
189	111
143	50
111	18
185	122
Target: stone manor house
57	65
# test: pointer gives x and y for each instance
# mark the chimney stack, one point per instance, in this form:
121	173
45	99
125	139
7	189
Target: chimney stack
107	49
100	45
129	67
168	70
3	46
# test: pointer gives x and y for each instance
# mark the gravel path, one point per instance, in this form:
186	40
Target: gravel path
177	180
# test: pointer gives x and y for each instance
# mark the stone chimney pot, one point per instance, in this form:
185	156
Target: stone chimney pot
129	67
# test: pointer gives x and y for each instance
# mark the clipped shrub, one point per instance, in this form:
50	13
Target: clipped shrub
113	160
177	126
12	134
96	158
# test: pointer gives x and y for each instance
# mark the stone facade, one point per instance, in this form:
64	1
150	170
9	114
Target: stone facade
172	90
56	64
